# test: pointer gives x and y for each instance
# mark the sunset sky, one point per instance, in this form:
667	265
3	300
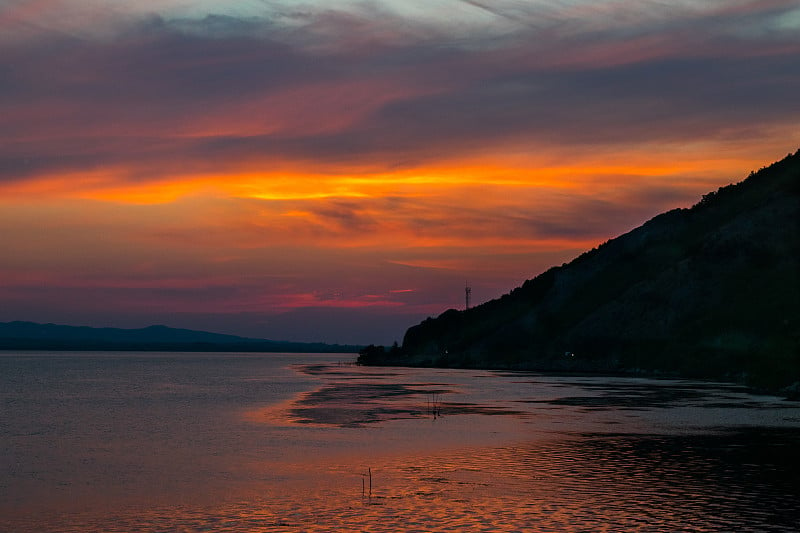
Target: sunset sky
338	170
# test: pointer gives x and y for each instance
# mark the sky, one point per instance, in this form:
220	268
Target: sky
338	171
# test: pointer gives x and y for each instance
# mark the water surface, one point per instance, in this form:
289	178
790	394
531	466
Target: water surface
288	442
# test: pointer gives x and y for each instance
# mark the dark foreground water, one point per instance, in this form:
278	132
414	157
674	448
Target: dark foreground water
277	442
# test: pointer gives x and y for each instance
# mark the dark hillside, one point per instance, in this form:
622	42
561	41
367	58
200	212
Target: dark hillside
710	291
32	336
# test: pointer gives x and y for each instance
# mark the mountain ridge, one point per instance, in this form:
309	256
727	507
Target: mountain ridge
709	291
22	335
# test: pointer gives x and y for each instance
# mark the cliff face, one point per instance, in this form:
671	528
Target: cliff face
711	291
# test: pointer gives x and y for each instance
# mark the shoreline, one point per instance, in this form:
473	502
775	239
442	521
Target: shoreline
789	392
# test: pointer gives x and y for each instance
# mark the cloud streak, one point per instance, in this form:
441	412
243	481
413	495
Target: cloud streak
175	93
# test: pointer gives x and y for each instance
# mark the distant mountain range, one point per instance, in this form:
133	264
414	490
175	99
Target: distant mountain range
33	336
711	291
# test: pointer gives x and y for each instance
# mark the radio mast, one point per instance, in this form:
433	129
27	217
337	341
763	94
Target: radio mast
467	293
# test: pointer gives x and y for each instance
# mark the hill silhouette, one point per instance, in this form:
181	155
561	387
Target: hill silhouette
32	336
711	291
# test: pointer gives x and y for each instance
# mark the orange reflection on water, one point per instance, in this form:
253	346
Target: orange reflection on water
587	483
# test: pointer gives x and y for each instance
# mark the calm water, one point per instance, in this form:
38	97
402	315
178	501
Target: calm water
278	442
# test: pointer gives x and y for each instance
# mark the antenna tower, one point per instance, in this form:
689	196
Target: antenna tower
467	293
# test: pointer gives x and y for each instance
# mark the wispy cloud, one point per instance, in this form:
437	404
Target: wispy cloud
167	94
